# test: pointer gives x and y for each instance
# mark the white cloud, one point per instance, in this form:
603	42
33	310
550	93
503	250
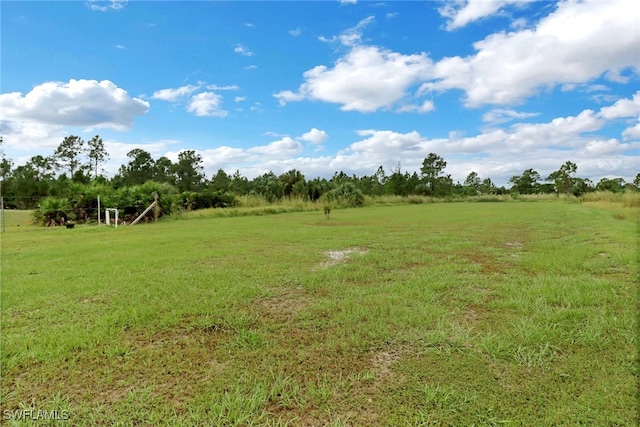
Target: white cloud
348	1
295	32
85	103
632	132
315	136
425	107
26	135
239	98
227	87
242	50
283	148
622	108
366	79
105	5
576	43
174	94
501	115
461	13
206	104
250	67
352	36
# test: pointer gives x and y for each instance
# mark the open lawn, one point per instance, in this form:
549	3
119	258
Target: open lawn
514	313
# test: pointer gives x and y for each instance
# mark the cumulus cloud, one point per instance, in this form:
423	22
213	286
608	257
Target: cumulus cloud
206	104
461	13
85	103
632	132
366	79
203	104
622	108
576	43
296	32
315	136
283	148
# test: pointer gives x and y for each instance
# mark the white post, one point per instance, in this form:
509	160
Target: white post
106	215
116	218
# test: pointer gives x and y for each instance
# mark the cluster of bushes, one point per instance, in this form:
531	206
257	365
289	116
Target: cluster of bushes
82	203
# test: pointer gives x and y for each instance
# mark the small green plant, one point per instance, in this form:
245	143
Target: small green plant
53	211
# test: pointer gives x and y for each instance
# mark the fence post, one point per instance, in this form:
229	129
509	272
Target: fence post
2	208
156	209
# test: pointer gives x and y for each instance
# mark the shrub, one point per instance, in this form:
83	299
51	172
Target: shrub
53	211
345	194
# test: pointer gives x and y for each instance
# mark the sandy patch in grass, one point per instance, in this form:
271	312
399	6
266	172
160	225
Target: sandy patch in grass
336	257
287	304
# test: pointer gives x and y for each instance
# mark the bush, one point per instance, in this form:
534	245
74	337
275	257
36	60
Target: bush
207	199
345	195
53	211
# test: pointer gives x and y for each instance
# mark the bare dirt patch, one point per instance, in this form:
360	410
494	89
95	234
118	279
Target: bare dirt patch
287	304
514	245
336	257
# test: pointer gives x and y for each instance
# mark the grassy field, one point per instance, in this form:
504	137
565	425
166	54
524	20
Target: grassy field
513	313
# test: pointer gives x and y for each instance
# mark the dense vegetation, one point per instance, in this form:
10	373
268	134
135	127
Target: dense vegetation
66	184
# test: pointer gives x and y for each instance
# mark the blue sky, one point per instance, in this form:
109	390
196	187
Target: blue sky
493	86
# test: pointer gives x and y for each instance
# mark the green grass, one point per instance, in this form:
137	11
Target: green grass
441	314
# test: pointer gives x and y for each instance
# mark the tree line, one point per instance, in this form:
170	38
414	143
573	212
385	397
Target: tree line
73	170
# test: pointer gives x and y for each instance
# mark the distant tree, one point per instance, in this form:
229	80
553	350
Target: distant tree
239	184
26	188
96	153
563	178
316	188
397	183
6	166
380	175
488	187
472	184
138	170
582	186
339	178
268	186
636	181
221	181
161	171
68	154
188	171
293	183
615	185
432	173
44	166
527	183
